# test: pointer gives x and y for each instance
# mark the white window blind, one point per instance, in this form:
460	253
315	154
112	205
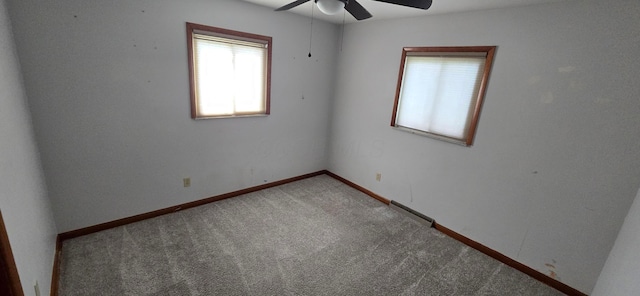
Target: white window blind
438	94
230	76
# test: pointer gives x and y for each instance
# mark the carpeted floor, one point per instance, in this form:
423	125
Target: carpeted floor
312	237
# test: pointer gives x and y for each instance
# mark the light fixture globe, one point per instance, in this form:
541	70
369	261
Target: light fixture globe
330	7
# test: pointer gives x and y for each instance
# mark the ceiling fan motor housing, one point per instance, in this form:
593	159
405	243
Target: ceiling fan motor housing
343	1
331	7
353	7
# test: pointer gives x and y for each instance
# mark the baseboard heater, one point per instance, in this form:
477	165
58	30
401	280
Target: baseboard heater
412	213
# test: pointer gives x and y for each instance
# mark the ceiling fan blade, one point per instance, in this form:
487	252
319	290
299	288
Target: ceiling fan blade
292	5
422	4
355	9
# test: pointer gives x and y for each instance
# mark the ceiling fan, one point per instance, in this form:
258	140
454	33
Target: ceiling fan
353	7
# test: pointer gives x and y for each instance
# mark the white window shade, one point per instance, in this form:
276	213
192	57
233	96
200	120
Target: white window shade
230	76
438	94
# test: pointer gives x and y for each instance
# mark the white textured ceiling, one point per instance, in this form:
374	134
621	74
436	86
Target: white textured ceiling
381	10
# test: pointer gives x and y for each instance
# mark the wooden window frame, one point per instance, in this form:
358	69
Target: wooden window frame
192	28
451	51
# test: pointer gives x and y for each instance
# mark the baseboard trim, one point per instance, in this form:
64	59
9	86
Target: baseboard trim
10	279
55	274
124	221
480	247
510	262
359	188
459	237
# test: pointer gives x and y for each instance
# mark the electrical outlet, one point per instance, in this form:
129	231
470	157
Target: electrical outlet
186	182
378	177
37	288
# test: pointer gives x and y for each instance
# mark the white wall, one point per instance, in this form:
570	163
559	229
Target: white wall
556	161
108	87
23	199
622	269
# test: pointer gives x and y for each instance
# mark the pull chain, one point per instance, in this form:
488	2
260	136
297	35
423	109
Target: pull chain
344	15
311	33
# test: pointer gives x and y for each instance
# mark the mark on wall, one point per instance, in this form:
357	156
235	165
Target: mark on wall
559	85
601	100
534	80
552	270
576	86
524	238
567	69
547	98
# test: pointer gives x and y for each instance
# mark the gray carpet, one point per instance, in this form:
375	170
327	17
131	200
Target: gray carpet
312	237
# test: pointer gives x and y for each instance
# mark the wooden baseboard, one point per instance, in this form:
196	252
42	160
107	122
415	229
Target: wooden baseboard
480	247
471	243
55	274
510	262
359	188
9	278
124	221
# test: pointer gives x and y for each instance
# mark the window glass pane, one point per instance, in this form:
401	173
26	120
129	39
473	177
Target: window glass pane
249	79
214	62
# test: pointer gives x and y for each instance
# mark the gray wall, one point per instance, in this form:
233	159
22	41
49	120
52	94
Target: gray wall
108	87
23	200
622	269
556	161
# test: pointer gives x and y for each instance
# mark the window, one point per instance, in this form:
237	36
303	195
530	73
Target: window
229	72
440	91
